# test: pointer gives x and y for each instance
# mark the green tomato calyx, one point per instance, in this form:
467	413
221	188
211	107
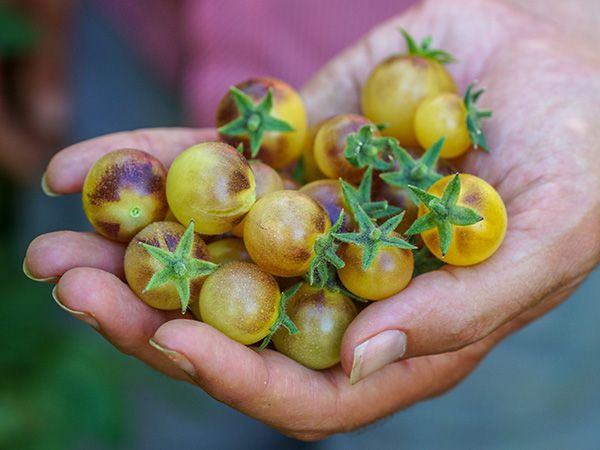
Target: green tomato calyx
323	266
420	173
474	117
443	213
424	49
254	119
180	267
366	149
282	318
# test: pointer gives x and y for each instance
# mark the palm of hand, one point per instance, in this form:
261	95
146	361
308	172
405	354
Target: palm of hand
543	92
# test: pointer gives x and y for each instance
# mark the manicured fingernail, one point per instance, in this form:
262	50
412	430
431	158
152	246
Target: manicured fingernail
49	192
31	277
177	358
377	352
83	316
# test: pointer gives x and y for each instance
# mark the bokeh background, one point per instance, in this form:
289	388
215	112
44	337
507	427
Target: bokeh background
63	387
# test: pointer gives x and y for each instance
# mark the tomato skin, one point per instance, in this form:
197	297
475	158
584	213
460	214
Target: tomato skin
123	192
241	301
328	193
311	169
396	87
227	250
278	149
474	243
212	184
329	145
443	115
140	265
267	180
321	317
390	272
281	230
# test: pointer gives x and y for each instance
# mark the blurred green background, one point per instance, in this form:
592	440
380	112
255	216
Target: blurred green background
62	387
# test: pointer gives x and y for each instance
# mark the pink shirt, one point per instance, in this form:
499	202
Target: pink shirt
204	46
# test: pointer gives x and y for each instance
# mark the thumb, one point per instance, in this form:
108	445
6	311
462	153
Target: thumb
336	87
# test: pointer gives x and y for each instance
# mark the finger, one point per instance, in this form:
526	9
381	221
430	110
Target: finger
303	403
68	168
105	302
336	87
51	255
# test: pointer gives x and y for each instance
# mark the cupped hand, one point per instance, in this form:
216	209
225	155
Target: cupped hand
545	93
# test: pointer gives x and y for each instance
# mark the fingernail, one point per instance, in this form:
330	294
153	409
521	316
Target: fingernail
177	358
83	316
31	277
49	192
377	352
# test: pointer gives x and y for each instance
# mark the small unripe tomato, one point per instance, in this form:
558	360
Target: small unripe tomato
212	184
475	243
281	230
443	115
390	272
278	148
241	301
330	143
123	192
227	250
329	195
396	87
267	180
140	266
321	317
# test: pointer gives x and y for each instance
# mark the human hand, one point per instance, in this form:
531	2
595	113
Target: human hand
33	92
544	90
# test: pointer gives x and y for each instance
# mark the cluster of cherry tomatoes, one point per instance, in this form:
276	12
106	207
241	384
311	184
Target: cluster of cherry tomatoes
276	232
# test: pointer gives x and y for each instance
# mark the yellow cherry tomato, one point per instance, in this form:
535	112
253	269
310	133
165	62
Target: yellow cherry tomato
475	243
396	87
123	192
330	143
241	301
281	230
278	149
212	184
443	115
390	272
227	250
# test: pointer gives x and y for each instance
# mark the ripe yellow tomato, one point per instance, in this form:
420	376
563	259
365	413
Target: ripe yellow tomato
278	149
212	184
396	87
330	143
140	266
443	115
321	317
390	272
475	243
281	230
227	250
123	192
241	301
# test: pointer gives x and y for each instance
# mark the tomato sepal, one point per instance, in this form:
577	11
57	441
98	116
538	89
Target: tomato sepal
474	117
365	149
282	318
324	264
423	49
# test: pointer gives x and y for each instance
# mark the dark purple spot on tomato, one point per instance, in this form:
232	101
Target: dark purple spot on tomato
171	241
238	181
300	254
109	229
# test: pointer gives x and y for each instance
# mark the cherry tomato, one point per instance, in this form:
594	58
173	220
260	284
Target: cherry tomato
140	266
396	87
212	184
267	180
321	317
390	272
443	115
330	143
278	149
281	230
475	243
329	195
241	301
227	250
123	192
311	169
